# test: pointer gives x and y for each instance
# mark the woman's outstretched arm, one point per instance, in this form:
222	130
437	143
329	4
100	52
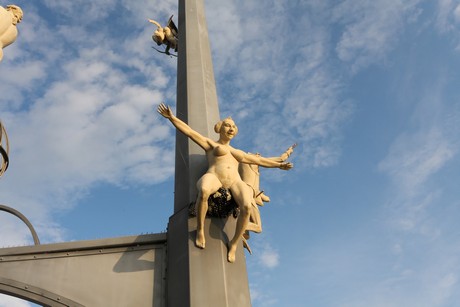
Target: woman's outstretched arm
200	140
243	157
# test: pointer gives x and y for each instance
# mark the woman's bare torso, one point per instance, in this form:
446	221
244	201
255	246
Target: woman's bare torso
223	164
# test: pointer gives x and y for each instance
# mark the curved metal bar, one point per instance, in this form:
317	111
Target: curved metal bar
24	219
5	161
4	152
34	294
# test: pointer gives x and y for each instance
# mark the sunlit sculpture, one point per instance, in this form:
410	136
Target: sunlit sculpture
223	161
165	35
251	176
9	18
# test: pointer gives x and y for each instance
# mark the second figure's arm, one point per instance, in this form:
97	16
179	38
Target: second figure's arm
285	155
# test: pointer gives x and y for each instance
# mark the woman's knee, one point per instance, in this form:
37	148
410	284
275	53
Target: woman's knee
245	208
202	196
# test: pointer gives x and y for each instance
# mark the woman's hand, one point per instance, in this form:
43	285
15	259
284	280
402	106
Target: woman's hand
165	111
286	166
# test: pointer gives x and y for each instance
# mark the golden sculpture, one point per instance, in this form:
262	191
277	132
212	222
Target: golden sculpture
223	161
165	35
9	18
251	176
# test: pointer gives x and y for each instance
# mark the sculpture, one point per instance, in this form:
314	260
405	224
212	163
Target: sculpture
165	35
250	175
223	161
9	18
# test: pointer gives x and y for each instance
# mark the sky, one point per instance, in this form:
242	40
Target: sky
368	89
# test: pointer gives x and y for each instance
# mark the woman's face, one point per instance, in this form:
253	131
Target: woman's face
228	129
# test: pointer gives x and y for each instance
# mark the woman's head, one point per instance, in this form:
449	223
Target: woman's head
226	124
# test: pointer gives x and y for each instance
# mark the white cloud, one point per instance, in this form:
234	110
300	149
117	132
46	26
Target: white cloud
413	158
448	20
14	230
371	29
262	297
457	13
445	13
17	80
269	258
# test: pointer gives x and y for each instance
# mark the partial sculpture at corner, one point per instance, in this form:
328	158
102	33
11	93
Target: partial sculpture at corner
223	161
9	18
167	35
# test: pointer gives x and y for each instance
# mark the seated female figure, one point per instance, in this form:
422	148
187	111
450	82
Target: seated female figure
223	161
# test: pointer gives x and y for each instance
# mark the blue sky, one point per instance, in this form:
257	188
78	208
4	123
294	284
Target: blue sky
368	89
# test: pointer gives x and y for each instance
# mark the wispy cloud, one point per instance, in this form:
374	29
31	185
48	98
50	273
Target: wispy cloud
448	20
419	153
413	164
269	257
371	29
414	157
416	164
457	13
447	15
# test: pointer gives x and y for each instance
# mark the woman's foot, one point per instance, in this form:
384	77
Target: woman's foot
246	244
200	241
231	252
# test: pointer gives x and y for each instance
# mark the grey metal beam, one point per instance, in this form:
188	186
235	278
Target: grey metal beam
105	243
127	271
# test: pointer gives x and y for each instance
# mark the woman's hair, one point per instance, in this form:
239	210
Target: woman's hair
219	125
17	12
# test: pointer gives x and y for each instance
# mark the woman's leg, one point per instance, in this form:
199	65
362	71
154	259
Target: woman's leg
255	223
207	185
242	194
